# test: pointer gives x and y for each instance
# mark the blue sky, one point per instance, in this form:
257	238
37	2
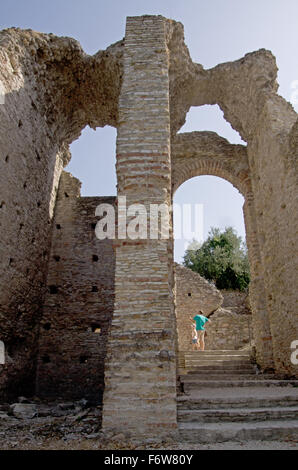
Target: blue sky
215	31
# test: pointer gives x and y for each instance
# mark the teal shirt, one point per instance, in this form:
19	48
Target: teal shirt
200	322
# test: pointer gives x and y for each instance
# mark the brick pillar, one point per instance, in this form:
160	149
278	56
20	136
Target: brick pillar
140	372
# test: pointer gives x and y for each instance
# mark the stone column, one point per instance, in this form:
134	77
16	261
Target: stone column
140	372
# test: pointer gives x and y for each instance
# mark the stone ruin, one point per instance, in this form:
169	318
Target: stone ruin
74	307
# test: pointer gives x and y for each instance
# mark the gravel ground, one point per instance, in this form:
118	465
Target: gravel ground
65	433
76	426
27	443
252	445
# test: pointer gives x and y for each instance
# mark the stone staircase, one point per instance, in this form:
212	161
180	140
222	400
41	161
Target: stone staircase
224	398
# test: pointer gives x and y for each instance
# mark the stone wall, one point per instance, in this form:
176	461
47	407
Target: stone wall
228	330
236	301
273	158
79	301
30	167
52	91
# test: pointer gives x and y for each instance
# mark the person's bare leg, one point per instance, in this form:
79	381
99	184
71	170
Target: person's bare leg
203	341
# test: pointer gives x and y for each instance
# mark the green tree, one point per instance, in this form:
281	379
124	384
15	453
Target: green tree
222	258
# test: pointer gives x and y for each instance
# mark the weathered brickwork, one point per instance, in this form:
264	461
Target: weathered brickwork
144	86
199	153
140	374
52	90
30	168
272	155
236	301
228	330
79	301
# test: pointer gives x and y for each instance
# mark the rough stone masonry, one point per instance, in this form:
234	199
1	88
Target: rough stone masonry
143	85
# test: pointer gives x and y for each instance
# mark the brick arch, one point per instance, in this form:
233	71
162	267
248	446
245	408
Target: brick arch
206	153
209	166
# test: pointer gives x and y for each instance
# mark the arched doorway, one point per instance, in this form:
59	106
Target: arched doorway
226	300
206	153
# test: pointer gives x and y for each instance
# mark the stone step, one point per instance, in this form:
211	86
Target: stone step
197	380
224	357
230	383
209	367
232	375
221	366
221	432
237	415
224	365
220	352
192	402
208	371
225	399
215	369
215	362
192	359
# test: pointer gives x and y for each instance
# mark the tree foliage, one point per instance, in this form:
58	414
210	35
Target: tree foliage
222	258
